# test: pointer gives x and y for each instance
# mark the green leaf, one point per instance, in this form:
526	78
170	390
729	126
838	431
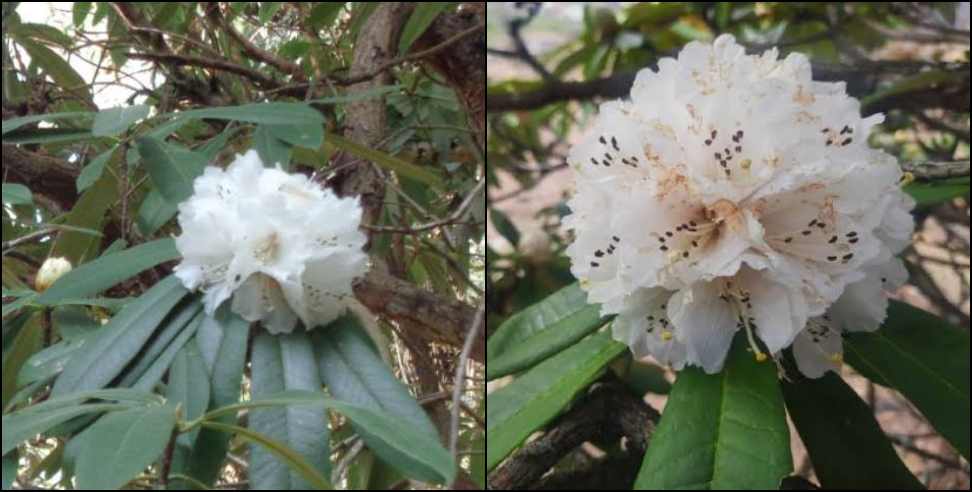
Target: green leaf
16	194
15	123
100	274
324	14
59	70
154	212
310	475
846	445
151	376
120	340
48	362
541	330
280	363
121	445
924	358
356	374
222	340
115	121
271	149
39	32
79	12
938	191
92	172
307	136
189	387
46	136
9	470
535	398
505	227
172	169
276	113
28	341
21	426
78	243
420	20
721	431
392	163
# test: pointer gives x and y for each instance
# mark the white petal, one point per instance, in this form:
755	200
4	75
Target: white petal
818	349
643	325
704	323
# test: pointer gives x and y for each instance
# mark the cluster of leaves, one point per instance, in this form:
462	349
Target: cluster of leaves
116	366
726	430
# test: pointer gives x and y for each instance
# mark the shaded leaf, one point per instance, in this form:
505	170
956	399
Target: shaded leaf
392	163
280	363
420	20
93	170
16	194
120	340
535	398
189	387
541	330
927	360
121	445
28	341
846	445
115	121
275	113
172	169
100	274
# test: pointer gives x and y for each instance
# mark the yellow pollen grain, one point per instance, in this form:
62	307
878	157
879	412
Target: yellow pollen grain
760	357
666	335
837	359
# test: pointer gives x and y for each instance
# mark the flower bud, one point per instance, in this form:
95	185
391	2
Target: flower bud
50	271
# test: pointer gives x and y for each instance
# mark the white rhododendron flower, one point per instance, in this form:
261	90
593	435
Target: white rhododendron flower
733	192
282	247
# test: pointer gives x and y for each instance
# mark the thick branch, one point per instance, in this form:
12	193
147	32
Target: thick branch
936	170
444	320
56	177
607	413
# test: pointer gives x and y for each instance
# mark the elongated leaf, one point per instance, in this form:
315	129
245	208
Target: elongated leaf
176	323
355	373
392	163
222	340
121	445
79	12
271	149
154	212
412	452
938	191
275	113
927	360
21	426
541	330
307	471
119	341
46	136
56	67
28	341
281	363
39	32
48	362
154	373
9	470
78	244
515	411
721	431
846	445
93	171
15	123
16	194
172	169
420	20
115	121
96	276
189	387
307	136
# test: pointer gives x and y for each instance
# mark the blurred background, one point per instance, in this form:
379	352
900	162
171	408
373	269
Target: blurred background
549	64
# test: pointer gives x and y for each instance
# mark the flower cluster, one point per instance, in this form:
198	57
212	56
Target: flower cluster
282	247
733	192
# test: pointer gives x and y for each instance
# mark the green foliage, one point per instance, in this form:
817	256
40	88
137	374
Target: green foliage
539	395
721	431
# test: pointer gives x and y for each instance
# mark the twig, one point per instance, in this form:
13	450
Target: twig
13	243
950	463
450	220
461	368
936	169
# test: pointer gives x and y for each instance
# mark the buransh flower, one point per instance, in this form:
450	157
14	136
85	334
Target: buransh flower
734	192
282	247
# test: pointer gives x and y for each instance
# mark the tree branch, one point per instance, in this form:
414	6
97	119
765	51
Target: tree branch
608	412
936	169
